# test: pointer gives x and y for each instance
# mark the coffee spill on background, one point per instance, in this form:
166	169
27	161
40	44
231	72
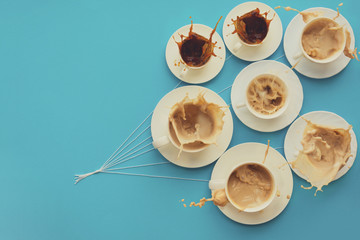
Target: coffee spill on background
218	198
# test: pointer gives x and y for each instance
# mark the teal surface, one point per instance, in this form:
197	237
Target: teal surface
77	76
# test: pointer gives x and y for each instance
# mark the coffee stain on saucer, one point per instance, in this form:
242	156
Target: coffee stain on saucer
347	51
266	151
298	61
278	193
326	149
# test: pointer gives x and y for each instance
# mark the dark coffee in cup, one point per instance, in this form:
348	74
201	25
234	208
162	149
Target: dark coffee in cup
252	27
196	50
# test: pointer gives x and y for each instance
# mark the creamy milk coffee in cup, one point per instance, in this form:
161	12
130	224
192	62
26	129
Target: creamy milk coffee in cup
193	125
251	28
250	186
266	96
322	40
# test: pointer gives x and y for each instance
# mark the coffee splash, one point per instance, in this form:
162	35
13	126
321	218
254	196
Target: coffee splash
196	50
252	27
308	16
195	123
325	151
322	38
347	51
266	94
252	176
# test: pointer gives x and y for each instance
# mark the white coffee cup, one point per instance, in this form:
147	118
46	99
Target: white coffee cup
261	115
168	139
326	60
223	184
185	68
241	43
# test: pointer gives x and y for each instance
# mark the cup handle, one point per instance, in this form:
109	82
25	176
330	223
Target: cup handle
240	105
237	46
298	55
160	142
184	71
217	184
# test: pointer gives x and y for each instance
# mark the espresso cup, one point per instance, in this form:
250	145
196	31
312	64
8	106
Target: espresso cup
223	184
241	42
186	67
276	114
329	59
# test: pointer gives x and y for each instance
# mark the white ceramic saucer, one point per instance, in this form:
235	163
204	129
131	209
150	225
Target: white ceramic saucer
295	93
305	66
274	161
271	42
160	119
294	135
195	76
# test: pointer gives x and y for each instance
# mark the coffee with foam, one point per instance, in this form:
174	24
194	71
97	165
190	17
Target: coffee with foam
250	185
266	94
323	38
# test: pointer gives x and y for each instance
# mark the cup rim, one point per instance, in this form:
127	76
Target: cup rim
264	204
278	112
325	60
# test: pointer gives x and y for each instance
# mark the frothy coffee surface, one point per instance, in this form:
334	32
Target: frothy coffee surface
325	151
266	94
323	38
250	185
195	123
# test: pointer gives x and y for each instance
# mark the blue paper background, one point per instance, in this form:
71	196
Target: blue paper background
77	76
